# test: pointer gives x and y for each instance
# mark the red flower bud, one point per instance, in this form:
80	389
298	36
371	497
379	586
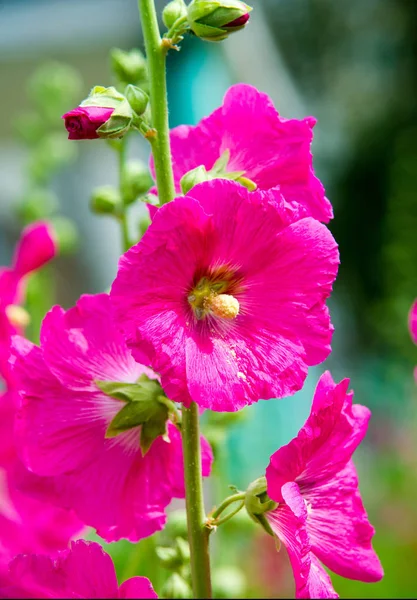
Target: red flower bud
239	22
82	122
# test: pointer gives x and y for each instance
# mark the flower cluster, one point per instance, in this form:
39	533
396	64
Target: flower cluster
221	303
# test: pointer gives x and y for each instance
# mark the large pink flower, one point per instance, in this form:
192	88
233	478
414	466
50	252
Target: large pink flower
224	296
82	571
272	151
36	247
65	416
320	515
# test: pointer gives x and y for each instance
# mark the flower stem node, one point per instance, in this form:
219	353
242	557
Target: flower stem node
174	10
129	67
257	503
137	98
215	20
105	200
145	406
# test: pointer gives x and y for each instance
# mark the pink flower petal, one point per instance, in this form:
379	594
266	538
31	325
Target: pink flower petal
137	587
37	246
80	347
288	522
83	571
272	151
339	529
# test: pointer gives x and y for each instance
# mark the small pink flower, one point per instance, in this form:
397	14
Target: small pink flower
224	296
320	515
64	418
82	571
36	246
82	122
270	150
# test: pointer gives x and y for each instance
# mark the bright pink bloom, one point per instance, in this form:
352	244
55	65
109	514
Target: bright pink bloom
82	122
26	525
82	571
64	418
237	243
320	515
272	151
37	246
412	320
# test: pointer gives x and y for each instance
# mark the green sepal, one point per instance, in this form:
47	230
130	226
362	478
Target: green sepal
101	96
193	177
221	163
145	406
257	503
137	98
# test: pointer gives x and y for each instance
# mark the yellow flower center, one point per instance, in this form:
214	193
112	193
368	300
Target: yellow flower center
208	297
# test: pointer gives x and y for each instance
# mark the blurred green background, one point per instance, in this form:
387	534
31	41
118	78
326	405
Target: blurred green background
353	65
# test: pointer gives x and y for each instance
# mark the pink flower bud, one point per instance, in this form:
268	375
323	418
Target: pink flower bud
239	22
82	122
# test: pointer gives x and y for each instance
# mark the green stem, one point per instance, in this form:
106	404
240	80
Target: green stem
156	56
198	533
230	515
190	430
235	498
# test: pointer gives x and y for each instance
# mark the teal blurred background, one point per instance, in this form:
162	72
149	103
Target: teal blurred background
353	65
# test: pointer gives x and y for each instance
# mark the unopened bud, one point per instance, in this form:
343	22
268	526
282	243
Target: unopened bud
176	587
177	524
105	200
173	11
214	20
137	99
193	177
136	181
105	113
129	67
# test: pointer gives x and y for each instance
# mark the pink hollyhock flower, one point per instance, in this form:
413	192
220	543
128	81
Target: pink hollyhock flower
26	524
65	415
82	122
225	298
37	246
320	515
412	320
270	150
82	571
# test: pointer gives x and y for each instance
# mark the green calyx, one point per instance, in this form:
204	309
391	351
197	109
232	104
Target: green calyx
210	19
173	11
121	119
258	503
145	406
218	171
